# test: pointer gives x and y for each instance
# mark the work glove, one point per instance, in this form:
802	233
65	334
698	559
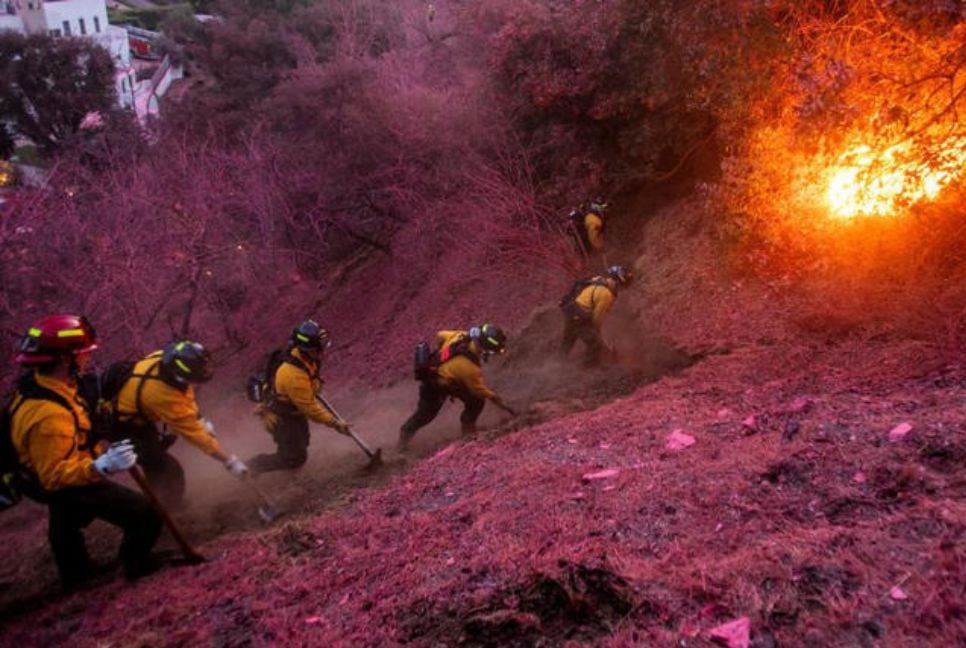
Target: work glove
341	427
119	456
236	466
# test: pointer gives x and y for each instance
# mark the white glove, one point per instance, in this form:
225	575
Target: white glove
342	427
209	427
236	466
119	456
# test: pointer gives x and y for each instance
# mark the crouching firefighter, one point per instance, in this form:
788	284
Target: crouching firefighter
454	370
286	394
47	454
158	389
585	307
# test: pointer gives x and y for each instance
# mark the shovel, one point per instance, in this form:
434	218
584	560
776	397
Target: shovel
266	510
375	456
191	556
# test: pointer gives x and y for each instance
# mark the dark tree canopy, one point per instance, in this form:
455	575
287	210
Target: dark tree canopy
48	85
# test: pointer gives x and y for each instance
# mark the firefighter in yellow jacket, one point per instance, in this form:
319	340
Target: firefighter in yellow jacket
160	391
293	383
49	432
456	372
585	308
590	227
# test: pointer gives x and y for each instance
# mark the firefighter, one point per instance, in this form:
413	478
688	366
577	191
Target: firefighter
160	390
589	226
456	372
290	402
585	308
49	430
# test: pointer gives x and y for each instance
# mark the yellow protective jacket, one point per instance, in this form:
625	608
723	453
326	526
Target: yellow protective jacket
298	387
460	371
594	225
48	441
160	402
596	300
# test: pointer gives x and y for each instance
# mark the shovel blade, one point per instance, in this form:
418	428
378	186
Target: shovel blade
375	460
269	514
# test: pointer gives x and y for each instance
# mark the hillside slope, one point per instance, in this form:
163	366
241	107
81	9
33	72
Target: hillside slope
792	507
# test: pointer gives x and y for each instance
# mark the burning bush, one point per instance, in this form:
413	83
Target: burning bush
866	120
850	182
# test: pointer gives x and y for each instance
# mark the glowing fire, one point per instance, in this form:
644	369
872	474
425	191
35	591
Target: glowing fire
865	182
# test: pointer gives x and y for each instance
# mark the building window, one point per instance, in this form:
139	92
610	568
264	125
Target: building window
97	24
55	33
30	6
66	25
83	27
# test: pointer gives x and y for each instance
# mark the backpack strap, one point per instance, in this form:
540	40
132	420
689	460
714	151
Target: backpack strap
146	376
28	389
598	282
580	285
569	303
458	347
295	362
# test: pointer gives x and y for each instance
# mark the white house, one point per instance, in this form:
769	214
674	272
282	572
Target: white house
84	18
9	19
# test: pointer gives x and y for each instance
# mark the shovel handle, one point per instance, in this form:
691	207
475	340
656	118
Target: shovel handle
186	548
266	510
362	444
259	494
355	437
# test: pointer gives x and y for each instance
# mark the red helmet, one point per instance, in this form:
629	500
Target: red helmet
55	336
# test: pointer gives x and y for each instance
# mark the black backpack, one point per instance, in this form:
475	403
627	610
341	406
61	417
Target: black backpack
261	385
110	383
426	363
15	480
101	392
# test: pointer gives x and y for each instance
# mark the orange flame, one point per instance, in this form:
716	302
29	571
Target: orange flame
865	182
